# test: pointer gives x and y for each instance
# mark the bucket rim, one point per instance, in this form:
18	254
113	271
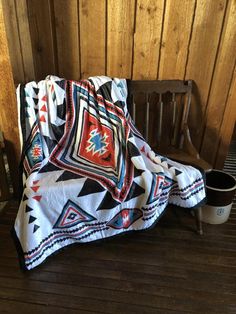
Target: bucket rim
222	190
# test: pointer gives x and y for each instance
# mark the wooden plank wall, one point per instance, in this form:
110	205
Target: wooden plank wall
8	109
139	39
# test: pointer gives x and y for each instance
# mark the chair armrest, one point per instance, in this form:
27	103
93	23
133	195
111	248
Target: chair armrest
2	145
188	146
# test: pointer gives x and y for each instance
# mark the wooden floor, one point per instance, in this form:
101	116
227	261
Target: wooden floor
164	270
169	269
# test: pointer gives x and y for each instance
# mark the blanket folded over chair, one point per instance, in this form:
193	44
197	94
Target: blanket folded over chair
88	173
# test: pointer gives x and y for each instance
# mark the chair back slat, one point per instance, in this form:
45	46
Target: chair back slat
147	117
159	118
173	103
160	109
133	108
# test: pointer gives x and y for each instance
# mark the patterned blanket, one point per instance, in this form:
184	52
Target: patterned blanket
88	173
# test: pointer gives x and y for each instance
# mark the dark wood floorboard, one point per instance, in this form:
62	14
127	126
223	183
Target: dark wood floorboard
168	269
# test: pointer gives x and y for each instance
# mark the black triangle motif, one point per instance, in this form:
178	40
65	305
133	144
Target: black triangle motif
61	83
24	198
108	202
163	159
120	104
28	209
50	143
90	187
67	175
133	150
105	91
169	166
108	158
31	219
36	100
134	191
36	227
36	111
58	131
61	111
137	172
48	168
177	172
36	90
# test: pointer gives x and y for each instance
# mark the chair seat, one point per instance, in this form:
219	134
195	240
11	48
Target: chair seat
183	157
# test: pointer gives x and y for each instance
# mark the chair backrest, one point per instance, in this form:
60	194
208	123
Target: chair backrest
160	109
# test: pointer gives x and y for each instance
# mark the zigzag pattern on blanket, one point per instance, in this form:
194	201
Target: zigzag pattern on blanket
88	173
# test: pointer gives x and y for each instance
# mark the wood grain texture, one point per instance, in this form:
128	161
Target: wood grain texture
132	39
25	39
93	37
148	26
67	38
120	29
14	40
175	41
42	36
8	111
227	126
4	186
222	77
167	269
202	54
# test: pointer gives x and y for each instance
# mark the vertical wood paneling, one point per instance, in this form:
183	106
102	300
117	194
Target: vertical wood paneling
120	28
14	44
92	38
67	38
41	29
191	39
8	111
202	54
148	26
24	34
176	34
222	78
227	126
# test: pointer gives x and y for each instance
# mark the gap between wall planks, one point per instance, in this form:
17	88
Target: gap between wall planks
147	37
8	110
67	31
92	49
139	39
200	65
14	41
40	14
19	41
223	73
120	29
227	125
175	40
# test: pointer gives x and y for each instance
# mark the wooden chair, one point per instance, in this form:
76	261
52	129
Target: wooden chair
164	106
4	185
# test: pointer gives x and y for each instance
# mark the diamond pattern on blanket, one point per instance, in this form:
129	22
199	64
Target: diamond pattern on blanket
72	215
34	152
98	142
156	187
88	172
125	218
96	145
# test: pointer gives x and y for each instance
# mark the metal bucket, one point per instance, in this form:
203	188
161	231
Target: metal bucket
220	189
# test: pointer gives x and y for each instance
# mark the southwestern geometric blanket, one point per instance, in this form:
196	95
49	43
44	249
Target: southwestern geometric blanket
88	173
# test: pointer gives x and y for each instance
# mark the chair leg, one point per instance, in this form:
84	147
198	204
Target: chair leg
4	187
198	215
